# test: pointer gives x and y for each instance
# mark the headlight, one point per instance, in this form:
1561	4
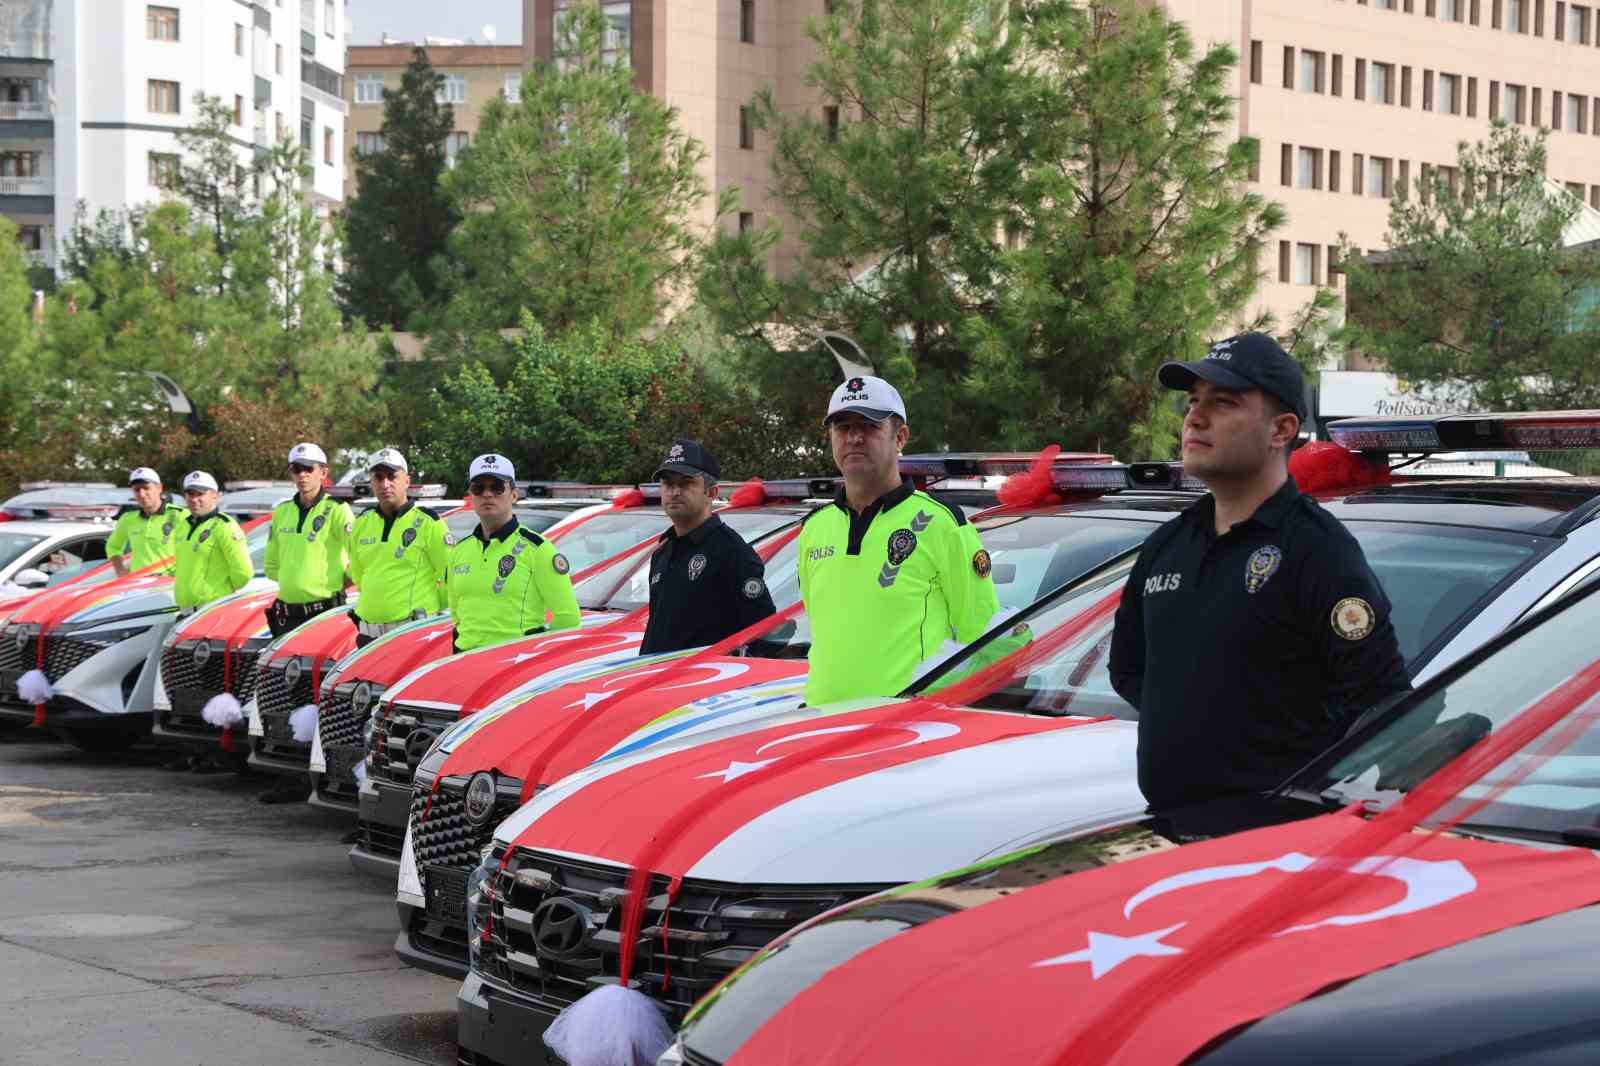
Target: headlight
478	906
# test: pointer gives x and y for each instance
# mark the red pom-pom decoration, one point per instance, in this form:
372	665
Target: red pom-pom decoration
631	498
1322	466
752	493
1035	488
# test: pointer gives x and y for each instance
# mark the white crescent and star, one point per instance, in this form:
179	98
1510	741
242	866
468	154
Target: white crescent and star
719	672
922	733
1428	884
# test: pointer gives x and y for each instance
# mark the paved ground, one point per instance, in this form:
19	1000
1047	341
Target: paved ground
155	917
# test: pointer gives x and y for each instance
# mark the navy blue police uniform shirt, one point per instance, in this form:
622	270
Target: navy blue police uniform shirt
705	585
1249	653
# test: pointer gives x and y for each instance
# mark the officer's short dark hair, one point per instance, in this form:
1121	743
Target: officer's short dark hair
710	483
1276	407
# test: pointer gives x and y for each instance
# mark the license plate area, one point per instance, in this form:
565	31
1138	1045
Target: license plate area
446	893
189	702
341	760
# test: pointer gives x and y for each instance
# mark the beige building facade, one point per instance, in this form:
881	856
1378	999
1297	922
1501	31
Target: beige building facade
1352	100
474	75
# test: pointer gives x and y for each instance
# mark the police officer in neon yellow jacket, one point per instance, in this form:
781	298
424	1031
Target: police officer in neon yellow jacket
212	560
398	554
308	547
145	532
505	580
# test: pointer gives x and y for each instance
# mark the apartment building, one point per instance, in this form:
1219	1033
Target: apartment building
94	92
473	75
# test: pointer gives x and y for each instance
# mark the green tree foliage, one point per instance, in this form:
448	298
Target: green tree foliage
1025	209
1479	292
576	202
212	179
399	220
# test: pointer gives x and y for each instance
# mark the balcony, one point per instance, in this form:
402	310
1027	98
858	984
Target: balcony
26	110
36	186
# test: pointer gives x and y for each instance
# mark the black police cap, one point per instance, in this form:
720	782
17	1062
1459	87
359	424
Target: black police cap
1247	361
691	459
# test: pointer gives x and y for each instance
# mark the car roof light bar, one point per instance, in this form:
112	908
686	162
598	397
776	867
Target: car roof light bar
1517	431
569	490
980	464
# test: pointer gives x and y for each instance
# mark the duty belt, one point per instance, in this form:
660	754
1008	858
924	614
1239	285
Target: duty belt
378	629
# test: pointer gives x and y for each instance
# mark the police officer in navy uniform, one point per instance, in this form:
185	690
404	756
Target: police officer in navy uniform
706	583
1252	633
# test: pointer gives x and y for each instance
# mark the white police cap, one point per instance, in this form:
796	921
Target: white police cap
390	458
494	466
869	397
306	452
144	473
199	479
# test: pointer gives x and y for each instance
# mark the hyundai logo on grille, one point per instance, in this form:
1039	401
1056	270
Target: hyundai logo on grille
22	640
291	673
361	698
480	798
560	928
418	741
202	653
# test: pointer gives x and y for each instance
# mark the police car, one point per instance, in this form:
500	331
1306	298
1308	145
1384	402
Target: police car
1461	559
417	708
52	531
93	642
1422	893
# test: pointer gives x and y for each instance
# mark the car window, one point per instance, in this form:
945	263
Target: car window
256	543
1032	555
603	591
14	545
604	535
536	519
1429	728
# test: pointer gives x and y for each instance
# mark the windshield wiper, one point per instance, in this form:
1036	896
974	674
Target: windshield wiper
1329	798
1582	836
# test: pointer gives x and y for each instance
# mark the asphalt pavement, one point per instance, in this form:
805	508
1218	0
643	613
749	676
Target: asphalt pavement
151	916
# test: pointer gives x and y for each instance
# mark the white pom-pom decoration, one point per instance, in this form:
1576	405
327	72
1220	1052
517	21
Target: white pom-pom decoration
611	1026
222	711
360	772
34	687
304	723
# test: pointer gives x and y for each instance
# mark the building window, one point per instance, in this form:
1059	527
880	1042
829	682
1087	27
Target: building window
830	121
1516	16
1337	88
1288	67
1284	256
1255	62
31	238
618	43
1381	88
369	143
513	88
238	110
1472	97
164	170
1286	166
238	38
747	221
163	97
1379	176
305	133
328	18
1577	116
1334	162
327	145
1578	24
161	23
21	164
277	58
747	21
1305	264
1512	105
369	88
454	89
1449	98
1384	5
1405	86
1312	72
1309	170
279	132
747	128
1576	189
455	144
1450	10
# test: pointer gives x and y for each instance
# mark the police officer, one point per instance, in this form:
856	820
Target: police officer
211	558
1251	632
887	573
399	554
308	544
146	530
505	580
706	583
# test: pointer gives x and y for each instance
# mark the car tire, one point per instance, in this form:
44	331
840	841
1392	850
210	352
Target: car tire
100	740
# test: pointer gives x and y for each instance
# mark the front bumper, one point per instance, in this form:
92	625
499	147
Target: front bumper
280	757
500	1028
385	812
70	714
326	798
429	944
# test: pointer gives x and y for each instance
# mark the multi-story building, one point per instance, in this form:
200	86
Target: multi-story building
1353	101
473	75
93	94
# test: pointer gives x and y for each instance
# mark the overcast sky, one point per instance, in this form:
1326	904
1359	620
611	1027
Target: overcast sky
412	20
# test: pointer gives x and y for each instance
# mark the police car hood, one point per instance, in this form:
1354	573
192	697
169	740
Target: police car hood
880	793
599	706
239	617
328	637
129	601
475	679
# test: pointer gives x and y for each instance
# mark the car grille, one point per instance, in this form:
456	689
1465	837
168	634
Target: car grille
276	701
676	961
384	841
445	837
189	686
11	657
398	743
340	728
62	655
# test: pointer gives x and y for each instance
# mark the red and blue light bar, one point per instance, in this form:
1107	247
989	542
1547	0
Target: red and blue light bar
1517	431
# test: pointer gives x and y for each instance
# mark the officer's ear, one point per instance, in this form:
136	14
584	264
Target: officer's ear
902	432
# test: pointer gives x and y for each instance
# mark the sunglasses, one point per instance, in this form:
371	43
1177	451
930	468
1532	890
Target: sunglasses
301	468
491	486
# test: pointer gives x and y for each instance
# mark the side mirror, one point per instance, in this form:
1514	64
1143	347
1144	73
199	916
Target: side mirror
30	578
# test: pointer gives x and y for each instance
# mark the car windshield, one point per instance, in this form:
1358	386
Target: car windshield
462	523
1559	794
537	519
14	545
1436	577
604	535
625	585
256	542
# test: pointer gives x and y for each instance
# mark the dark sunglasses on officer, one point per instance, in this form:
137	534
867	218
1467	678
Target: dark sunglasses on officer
301	468
486	486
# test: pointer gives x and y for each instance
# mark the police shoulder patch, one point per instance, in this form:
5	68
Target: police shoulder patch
560	565
449	540
1353	618
981	563
752	588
